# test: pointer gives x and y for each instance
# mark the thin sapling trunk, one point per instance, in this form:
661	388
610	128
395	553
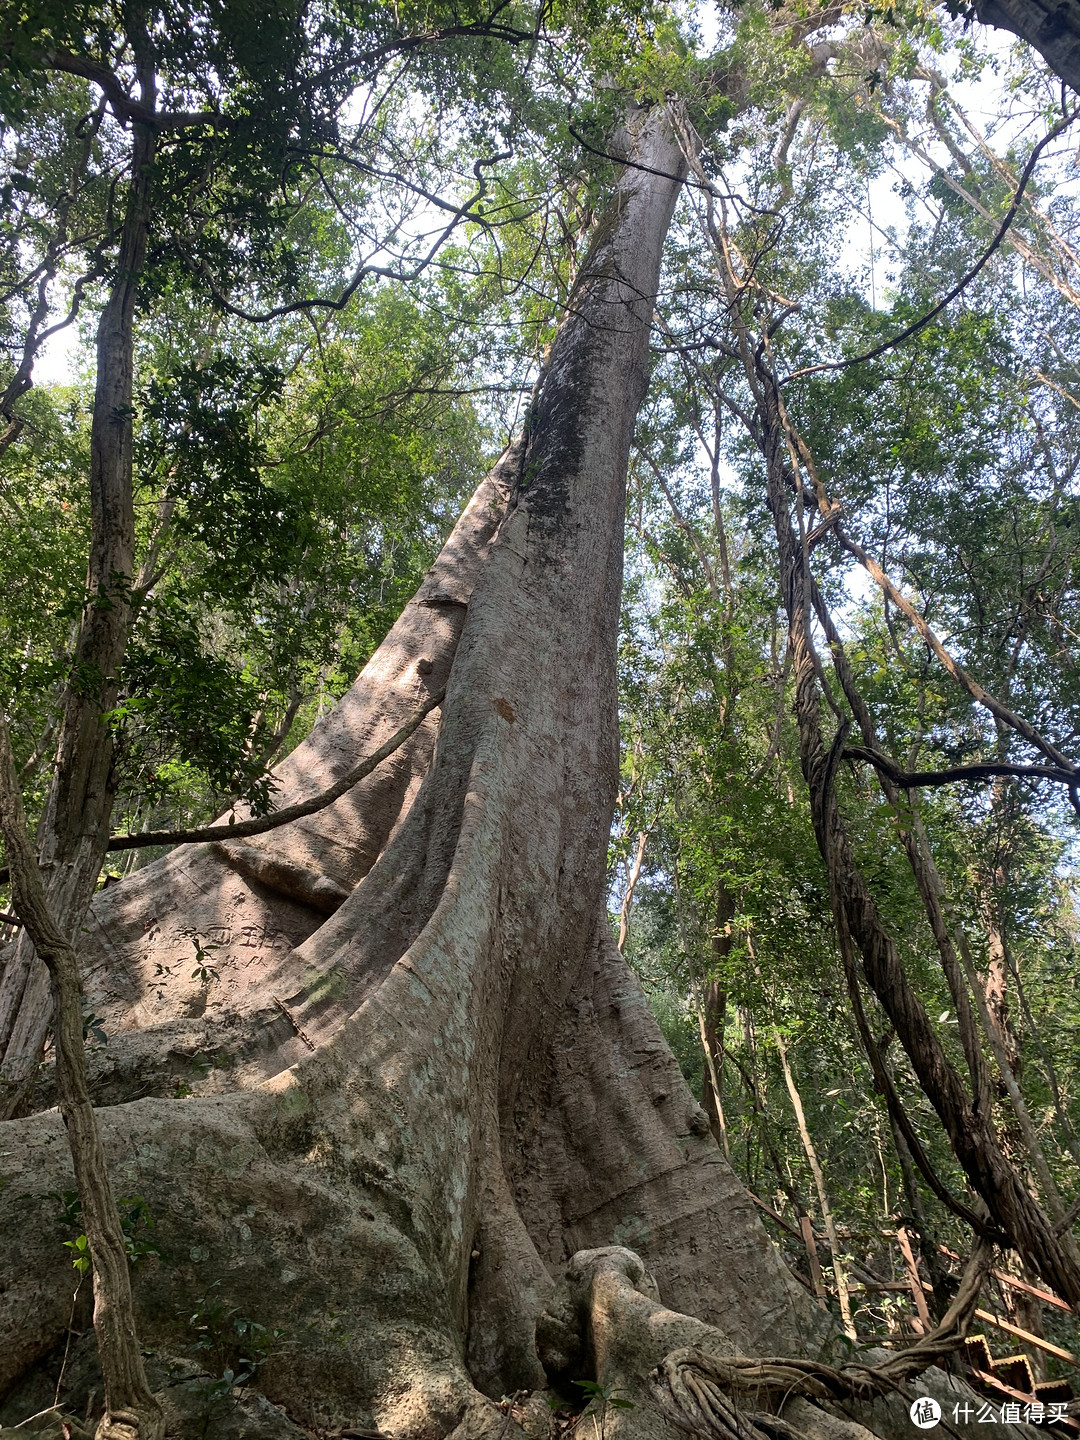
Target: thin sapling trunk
78	812
131	1412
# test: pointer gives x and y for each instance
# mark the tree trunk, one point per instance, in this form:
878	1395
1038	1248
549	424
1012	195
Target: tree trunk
75	826
1052	26
409	1115
714	1016
131	1413
967	1122
839	1270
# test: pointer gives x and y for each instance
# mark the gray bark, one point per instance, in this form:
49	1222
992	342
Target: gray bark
75	827
131	1413
416	1110
402	1123
1051	26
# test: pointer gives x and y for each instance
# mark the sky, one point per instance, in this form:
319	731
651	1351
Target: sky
867	248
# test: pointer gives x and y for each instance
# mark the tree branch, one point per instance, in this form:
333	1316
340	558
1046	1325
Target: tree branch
1069	772
123	106
243	828
963	282
911	779
360	274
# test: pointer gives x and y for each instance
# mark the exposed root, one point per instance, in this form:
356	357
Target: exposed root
699	1392
690	1399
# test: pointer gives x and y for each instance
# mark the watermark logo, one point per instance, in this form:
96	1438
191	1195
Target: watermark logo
925	1412
1012	1412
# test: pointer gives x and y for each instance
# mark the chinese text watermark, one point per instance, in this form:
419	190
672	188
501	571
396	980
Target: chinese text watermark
926	1412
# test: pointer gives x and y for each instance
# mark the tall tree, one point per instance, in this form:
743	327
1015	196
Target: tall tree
415	1076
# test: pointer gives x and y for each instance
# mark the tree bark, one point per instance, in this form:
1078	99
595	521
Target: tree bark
409	1115
968	1123
839	1272
75	826
131	1412
631	886
1051	26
